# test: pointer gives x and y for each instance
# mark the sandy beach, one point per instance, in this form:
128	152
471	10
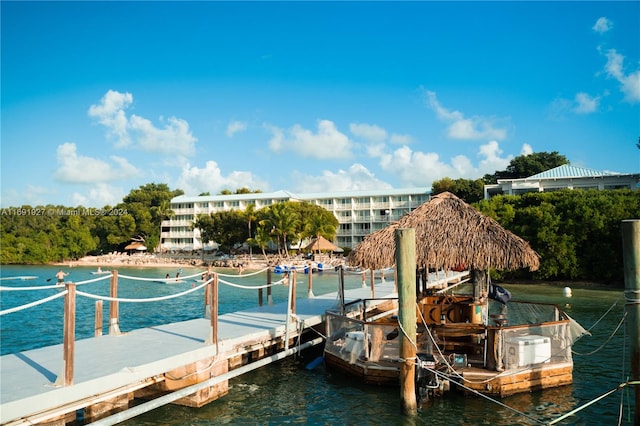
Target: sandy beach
246	262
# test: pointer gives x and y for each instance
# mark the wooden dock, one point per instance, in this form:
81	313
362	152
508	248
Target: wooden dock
111	370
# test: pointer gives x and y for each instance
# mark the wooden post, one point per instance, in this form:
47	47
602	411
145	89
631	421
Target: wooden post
293	291
395	278
260	296
114	326
269	296
373	279
213	303
310	282
631	257
341	290
207	297
69	333
406	281
98	319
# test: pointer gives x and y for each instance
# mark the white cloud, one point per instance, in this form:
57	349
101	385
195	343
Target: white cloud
195	180
369	132
76	168
33	195
110	113
416	168
526	150
629	83
356	178
235	127
582	103
602	25
491	159
327	143
99	195
174	138
460	127
400	139
585	103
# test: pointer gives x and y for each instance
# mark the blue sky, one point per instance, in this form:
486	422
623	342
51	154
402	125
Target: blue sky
100	98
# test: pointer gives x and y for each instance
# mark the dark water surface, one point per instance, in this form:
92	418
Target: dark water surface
287	393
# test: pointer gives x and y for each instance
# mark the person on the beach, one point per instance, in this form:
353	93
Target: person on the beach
60	276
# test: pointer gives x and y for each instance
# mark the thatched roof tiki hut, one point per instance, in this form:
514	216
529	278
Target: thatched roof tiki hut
321	244
449	234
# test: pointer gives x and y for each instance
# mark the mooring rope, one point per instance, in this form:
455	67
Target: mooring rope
593	401
533	419
606	341
629	299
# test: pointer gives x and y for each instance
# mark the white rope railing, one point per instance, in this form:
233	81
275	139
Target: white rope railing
186	277
42	287
152	299
32	304
252	287
46	287
243	275
129	300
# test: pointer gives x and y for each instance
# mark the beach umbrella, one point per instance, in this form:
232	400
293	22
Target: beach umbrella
449	234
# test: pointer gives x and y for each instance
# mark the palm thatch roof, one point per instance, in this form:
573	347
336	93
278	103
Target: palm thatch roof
321	244
449	234
136	245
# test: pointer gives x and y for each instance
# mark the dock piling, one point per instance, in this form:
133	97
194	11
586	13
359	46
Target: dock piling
69	335
631	257
406	281
98	319
114	327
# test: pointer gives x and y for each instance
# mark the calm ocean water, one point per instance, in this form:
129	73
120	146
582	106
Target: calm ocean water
287	393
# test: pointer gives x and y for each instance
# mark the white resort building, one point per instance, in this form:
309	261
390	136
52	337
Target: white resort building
564	177
359	213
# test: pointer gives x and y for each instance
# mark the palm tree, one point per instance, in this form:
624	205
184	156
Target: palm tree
262	238
250	215
282	220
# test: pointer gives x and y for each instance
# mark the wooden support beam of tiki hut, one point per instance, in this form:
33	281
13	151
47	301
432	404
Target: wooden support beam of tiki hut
449	234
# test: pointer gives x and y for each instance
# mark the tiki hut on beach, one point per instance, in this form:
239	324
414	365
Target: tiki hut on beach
321	244
449	234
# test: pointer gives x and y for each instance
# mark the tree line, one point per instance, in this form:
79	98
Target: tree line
577	233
